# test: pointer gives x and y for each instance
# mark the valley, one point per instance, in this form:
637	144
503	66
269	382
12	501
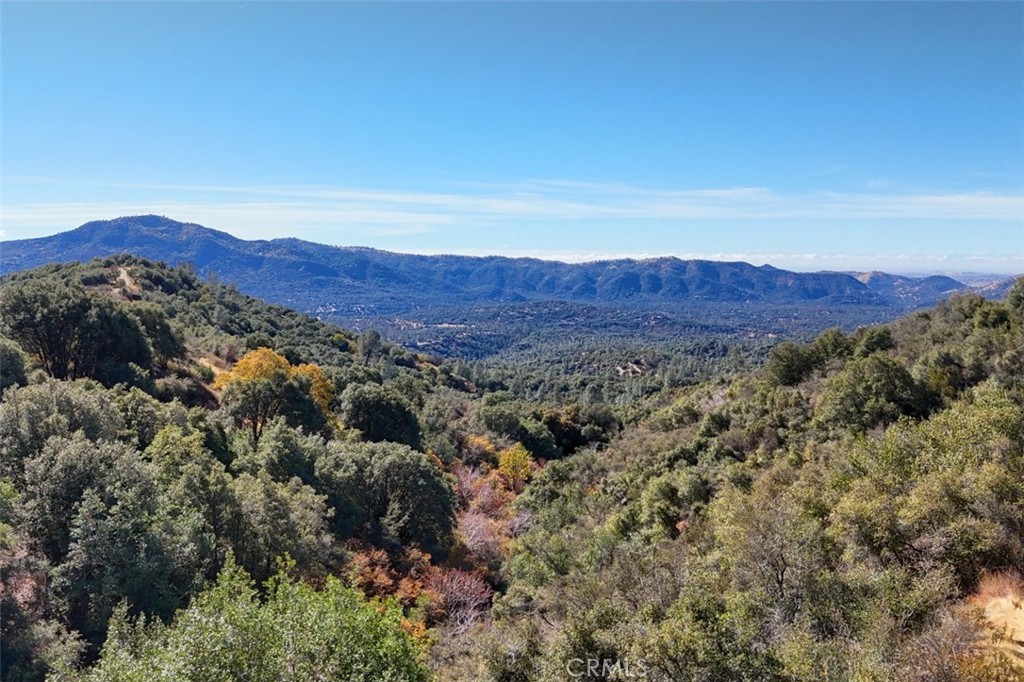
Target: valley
471	307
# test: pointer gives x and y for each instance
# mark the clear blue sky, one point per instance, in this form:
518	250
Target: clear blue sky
810	135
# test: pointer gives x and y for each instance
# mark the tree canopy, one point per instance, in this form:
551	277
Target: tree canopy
295	633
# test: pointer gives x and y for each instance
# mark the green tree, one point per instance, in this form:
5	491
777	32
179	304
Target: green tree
389	492
832	344
370	345
296	634
380	415
1015	301
790	363
870	391
31	415
775	550
669	499
94	511
306	400
57	479
74	333
872	339
283	451
164	339
12	365
280	518
539	440
123	548
711	633
501	419
143	415
47	321
945	373
194	482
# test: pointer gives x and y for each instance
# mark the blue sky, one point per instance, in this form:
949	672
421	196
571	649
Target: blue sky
839	135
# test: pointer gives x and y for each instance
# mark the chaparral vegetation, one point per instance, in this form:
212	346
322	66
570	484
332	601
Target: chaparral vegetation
195	485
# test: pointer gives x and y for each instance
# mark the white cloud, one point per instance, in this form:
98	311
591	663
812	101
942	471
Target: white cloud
354	215
269	207
250	220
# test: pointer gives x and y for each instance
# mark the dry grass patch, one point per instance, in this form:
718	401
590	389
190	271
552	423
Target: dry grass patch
1000	596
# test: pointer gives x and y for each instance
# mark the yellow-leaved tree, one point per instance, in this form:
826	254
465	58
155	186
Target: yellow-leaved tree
263	385
321	390
515	465
262	364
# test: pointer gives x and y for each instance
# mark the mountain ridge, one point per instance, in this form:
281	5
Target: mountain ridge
363	286
175	242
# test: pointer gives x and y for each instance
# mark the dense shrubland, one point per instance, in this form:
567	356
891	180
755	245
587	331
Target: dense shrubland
822	519
189	477
157	432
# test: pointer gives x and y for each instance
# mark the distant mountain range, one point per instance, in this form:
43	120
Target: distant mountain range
368	287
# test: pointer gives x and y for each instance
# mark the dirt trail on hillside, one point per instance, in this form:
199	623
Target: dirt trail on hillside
130	285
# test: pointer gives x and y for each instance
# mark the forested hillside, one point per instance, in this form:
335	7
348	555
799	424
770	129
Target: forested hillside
854	511
195	485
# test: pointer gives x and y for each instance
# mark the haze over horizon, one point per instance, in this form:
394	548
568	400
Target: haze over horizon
849	136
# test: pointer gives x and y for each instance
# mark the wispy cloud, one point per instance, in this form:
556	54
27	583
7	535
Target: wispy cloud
468	218
248	219
273	210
